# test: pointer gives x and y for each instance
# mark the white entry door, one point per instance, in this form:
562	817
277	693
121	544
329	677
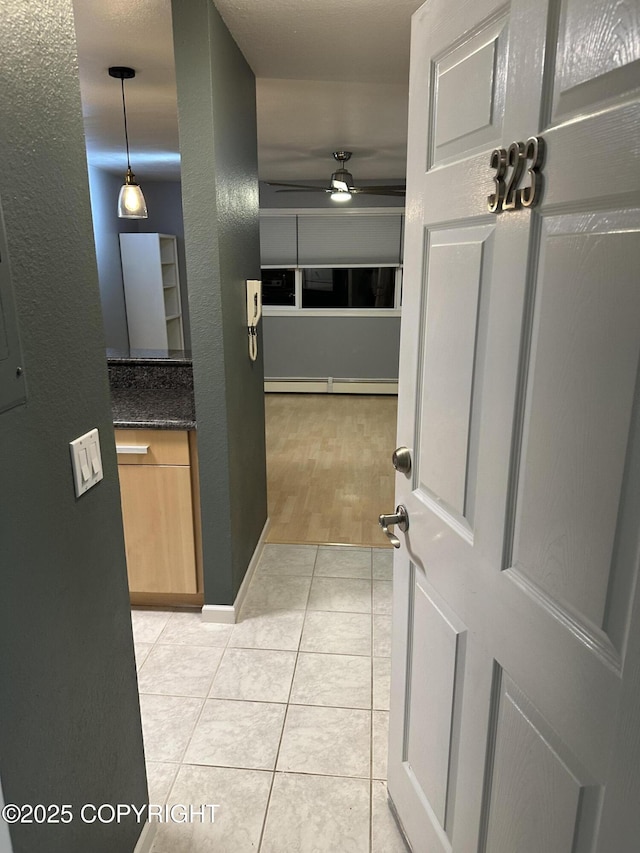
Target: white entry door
515	716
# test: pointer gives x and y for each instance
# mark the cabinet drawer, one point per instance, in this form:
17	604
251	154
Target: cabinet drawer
153	446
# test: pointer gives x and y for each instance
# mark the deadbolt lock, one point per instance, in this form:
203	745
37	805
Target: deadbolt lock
401	460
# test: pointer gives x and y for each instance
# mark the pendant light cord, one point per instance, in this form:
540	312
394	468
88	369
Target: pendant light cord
126	134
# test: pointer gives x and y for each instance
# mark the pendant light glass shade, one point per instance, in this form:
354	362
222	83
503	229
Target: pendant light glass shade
131	203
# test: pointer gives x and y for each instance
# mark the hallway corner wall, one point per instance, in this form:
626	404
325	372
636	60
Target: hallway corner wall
218	144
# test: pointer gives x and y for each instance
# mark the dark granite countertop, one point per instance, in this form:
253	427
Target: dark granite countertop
153	409
151	393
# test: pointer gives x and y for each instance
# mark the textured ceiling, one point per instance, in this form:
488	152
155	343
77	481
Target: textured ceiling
365	41
329	75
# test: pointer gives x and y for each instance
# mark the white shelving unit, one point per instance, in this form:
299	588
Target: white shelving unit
152	291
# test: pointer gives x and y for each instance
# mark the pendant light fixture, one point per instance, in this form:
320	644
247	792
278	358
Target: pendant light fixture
131	203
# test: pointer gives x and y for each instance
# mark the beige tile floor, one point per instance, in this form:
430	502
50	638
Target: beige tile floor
280	720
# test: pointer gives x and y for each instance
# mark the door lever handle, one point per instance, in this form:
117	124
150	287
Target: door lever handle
400	518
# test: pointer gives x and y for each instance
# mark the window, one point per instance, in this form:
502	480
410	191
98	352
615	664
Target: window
337	287
278	287
332	289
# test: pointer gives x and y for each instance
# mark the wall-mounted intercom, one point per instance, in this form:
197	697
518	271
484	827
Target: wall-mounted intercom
254	312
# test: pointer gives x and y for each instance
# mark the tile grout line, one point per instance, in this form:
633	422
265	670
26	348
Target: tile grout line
286	712
204	702
182	762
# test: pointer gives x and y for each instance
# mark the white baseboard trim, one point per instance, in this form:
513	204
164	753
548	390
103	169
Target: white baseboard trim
228	613
331	386
225	614
145	841
305	386
244	586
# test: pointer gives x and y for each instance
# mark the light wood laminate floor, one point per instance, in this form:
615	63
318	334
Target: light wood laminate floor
329	472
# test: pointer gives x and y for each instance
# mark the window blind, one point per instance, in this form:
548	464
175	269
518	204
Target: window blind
278	240
358	239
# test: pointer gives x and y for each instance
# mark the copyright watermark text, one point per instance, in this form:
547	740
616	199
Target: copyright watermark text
109	813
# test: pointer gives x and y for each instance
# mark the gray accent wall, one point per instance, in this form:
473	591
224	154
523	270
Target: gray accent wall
104	189
217	123
69	714
340	347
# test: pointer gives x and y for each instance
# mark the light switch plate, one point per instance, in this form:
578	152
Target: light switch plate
86	461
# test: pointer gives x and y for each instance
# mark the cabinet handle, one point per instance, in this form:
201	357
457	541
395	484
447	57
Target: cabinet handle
140	449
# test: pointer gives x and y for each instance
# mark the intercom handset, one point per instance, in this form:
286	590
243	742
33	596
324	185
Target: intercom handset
254	312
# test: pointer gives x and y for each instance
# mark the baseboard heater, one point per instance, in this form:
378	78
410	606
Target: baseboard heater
301	385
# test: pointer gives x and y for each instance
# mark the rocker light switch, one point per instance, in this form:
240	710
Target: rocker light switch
86	461
84	466
94	454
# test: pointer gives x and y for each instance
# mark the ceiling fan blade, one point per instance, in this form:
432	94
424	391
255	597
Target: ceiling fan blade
305	187
378	191
396	188
317	189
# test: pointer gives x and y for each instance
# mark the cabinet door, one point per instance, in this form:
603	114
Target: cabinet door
157	514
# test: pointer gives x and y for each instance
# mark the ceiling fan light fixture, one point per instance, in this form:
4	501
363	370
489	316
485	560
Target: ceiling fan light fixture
131	203
341	179
341	186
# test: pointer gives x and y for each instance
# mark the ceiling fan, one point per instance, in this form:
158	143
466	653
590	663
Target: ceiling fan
341	186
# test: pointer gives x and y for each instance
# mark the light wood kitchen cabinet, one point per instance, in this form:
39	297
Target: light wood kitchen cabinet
160	513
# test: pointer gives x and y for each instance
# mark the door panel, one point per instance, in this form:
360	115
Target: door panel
454	272
469	91
530	776
582	377
607	63
436	655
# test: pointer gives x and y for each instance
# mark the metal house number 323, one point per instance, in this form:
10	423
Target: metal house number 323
510	164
